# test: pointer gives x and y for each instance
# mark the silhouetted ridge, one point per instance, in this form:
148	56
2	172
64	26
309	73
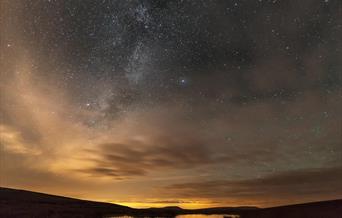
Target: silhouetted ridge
20	203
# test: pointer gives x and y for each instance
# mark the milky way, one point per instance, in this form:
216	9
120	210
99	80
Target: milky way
190	103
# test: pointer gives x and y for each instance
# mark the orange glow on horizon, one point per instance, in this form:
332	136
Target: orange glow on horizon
187	205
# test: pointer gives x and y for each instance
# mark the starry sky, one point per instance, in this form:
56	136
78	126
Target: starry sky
195	103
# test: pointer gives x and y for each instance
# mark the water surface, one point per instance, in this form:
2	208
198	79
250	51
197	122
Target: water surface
190	216
208	216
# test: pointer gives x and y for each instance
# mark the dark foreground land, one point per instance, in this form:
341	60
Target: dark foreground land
323	209
20	203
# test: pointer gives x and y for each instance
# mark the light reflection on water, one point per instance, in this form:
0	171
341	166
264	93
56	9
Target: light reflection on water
189	216
208	216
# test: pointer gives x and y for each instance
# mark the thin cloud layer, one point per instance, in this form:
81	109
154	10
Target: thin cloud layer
279	187
172	102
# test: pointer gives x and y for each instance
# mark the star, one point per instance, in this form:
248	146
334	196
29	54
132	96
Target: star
188	87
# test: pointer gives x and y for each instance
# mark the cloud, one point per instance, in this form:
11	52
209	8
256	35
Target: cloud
164	138
275	188
261	98
136	159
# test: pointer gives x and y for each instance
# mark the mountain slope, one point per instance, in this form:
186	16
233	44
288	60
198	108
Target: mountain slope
20	203
322	209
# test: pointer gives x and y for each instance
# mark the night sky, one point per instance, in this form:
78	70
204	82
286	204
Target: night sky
192	103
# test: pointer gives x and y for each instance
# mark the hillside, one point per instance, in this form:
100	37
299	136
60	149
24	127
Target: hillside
20	203
323	209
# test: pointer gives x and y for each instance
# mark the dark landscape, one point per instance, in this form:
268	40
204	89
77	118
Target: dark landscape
22	203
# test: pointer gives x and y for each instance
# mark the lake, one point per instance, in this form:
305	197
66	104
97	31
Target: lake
191	216
208	216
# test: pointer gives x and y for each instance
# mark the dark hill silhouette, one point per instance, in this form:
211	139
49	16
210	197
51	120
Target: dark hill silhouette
322	209
20	203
